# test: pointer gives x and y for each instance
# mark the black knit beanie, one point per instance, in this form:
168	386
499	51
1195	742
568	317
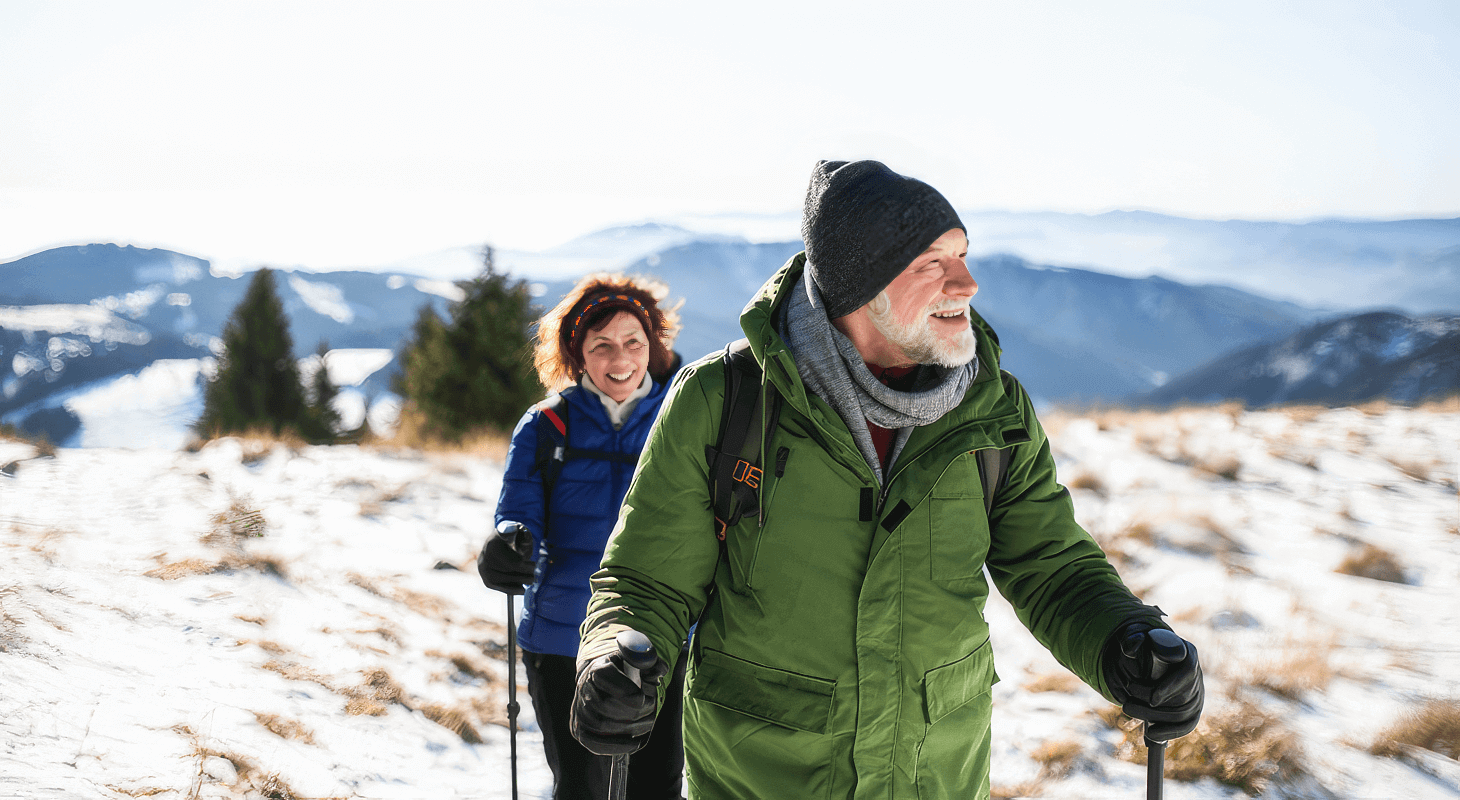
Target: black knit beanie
862	225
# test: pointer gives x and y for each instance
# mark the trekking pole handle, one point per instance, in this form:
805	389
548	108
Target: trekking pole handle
637	653
1164	649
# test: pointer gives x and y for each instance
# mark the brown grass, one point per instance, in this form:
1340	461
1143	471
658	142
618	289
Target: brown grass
1090	482
454	720
190	567
427	605
1307	668
257	443
184	568
1374	563
1018	790
1053	682
412	433
285	728
236	524
1057	759
44	448
1241	746
1434	726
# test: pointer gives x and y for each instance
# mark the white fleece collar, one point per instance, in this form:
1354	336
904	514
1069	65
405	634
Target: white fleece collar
618	412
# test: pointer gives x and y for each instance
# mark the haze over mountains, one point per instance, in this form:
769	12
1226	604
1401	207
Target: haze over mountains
75	320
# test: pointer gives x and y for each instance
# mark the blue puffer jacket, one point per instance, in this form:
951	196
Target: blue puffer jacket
585	507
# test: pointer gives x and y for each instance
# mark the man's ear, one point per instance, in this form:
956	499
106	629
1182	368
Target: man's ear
880	304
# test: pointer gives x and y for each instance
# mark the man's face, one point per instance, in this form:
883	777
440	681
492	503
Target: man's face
924	311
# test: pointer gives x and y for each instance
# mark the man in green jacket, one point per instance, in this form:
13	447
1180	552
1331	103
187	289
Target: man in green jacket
841	649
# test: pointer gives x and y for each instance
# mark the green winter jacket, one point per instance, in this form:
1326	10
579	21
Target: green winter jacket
841	650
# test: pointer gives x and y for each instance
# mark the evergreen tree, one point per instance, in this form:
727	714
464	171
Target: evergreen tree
257	383
322	421
475	369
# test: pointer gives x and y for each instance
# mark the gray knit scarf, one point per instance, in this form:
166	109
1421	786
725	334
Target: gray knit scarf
831	367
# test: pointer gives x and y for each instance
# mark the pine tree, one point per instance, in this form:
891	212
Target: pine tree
322	421
256	386
474	370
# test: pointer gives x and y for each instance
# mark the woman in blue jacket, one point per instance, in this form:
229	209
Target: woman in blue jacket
605	350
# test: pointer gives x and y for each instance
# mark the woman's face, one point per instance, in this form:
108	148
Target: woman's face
616	355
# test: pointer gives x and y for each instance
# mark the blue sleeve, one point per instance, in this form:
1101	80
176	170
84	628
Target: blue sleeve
521	499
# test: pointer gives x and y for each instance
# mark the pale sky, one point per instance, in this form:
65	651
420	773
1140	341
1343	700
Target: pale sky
329	134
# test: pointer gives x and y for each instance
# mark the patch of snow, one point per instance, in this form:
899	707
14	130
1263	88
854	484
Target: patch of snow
446	289
323	298
351	366
93	321
153	408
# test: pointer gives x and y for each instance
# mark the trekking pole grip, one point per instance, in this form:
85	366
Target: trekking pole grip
1164	649
637	653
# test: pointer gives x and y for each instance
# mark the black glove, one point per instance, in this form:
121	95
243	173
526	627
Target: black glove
611	715
1171	703
506	562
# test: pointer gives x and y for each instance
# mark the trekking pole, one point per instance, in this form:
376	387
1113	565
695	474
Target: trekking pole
1166	648
638	654
512	690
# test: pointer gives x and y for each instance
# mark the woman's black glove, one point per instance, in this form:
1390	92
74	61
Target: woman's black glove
1155	676
506	562
611	715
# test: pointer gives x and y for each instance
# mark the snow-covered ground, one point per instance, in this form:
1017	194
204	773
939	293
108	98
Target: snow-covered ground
247	621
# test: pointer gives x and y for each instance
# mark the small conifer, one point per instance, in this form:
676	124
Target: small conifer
475	369
256	386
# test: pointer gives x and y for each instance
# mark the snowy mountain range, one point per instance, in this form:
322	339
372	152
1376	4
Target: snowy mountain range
1347	360
76	321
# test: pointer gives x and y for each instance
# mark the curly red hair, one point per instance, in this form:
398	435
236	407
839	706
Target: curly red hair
558	359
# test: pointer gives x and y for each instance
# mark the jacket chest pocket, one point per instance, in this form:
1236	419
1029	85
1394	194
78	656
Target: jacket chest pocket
958	527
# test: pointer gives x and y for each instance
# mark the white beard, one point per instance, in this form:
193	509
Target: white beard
918	341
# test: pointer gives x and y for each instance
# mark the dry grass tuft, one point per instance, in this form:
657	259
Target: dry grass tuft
1057	759
1241	746
251	619
1053	682
1374	563
471	667
1434	726
364	706
412	433
236	524
285	728
185	568
453	720
272	647
44	448
1307	668
380	686
1090	482
426	605
1018	790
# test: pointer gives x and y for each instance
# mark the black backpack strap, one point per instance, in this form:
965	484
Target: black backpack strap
735	462
552	441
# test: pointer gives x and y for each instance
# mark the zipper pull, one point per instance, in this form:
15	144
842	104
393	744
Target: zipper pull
782	455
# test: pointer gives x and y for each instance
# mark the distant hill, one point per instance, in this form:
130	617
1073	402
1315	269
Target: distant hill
1068	334
1346	360
1344	265
73	316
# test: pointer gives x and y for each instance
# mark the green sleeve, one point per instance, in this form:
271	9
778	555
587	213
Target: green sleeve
1048	567
659	566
